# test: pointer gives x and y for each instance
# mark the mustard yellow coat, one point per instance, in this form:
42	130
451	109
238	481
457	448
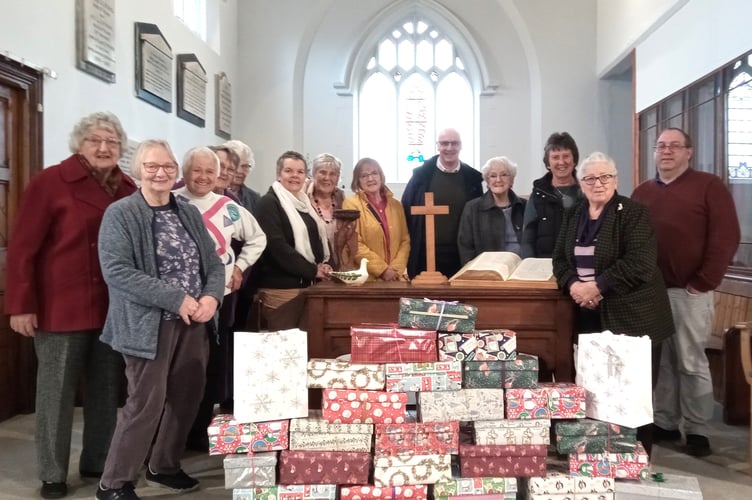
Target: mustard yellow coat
371	239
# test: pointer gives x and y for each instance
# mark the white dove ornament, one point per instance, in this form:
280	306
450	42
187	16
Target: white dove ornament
355	277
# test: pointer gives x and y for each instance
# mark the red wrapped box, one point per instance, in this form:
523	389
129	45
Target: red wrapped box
324	467
546	400
503	460
227	436
381	343
341	406
620	465
423	438
370	492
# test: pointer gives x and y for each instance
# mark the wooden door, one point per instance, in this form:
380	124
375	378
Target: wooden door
20	157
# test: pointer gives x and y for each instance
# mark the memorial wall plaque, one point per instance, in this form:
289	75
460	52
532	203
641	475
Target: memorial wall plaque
191	96
153	66
95	38
222	106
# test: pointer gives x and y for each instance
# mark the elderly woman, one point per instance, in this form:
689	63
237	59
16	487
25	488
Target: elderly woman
551	195
324	194
55	294
248	197
493	222
297	253
383	238
166	283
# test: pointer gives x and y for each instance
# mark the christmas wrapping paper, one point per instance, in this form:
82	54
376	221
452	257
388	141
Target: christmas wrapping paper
245	471
337	374
398	470
547	400
560	483
673	486
463	405
370	492
323	467
438	315
481	345
521	372
572	496
523	432
424	377
227	435
270	375
366	407
592	436
474	486
620	465
503	460
377	343
490	496
421	438
287	492
315	433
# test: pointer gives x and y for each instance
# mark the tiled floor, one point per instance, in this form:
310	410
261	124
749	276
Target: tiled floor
720	475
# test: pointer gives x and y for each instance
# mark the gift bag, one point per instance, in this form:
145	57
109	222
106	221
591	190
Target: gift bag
615	371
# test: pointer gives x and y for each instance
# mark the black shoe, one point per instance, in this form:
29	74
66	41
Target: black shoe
177	483
53	490
127	492
661	434
698	446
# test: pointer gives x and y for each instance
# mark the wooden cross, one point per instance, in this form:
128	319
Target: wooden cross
430	276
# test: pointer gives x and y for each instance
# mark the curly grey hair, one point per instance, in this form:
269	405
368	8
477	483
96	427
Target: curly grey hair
100	119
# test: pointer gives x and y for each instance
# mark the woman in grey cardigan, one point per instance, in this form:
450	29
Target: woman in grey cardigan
165	283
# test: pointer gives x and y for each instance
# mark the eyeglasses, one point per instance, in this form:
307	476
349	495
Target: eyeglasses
446	144
501	175
669	147
153	168
245	166
369	175
97	141
605	179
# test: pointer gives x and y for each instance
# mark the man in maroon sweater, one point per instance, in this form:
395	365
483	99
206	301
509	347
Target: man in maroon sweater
697	230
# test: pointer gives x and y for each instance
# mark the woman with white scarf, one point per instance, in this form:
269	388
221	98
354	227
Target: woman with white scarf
297	253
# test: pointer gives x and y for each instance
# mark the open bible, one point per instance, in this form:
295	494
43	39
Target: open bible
497	268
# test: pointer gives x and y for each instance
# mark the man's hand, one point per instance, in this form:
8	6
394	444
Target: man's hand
25	324
207	306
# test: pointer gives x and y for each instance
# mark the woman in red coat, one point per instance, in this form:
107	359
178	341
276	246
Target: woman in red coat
55	294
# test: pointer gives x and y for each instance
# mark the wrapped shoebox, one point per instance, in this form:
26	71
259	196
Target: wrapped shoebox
246	471
439	315
633	465
503	460
370	492
420	438
521	372
270	375
593	436
398	470
522	432
481	345
546	400
340	406
287	492
227	435
323	467
315	433
462	405
673	486
337	374
560	485
381	343
424	377
484	496
474	486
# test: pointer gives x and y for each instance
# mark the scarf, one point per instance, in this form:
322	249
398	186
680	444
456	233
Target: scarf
293	204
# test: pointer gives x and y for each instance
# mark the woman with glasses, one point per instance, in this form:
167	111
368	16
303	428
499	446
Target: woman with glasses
166	283
493	222
325	195
56	295
383	238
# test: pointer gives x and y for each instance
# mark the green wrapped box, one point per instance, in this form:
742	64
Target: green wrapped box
593	436
519	373
475	486
437	315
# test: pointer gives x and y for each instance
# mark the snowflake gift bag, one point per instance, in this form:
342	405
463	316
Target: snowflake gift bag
270	375
615	372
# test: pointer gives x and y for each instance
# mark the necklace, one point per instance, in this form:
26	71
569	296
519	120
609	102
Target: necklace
321	213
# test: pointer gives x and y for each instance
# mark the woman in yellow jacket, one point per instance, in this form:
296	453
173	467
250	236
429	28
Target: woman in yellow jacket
382	230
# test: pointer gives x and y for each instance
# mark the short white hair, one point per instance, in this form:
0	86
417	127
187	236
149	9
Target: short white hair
596	157
502	162
198	151
243	150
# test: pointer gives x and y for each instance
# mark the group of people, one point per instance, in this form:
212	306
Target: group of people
111	278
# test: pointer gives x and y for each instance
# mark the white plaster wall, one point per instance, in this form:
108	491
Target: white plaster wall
43	33
700	37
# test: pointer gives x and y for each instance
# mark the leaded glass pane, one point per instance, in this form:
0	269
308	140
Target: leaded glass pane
378	123
387	54
424	55
416	125
444	55
406	54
